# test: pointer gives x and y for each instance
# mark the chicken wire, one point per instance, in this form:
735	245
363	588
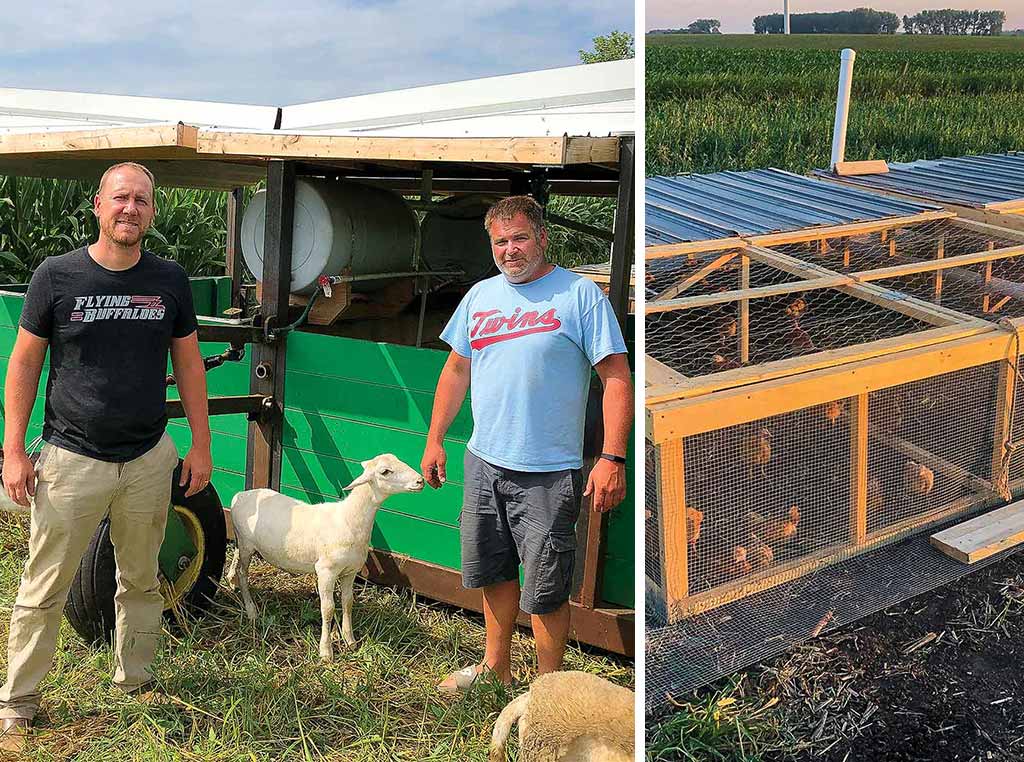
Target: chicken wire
771	503
664	276
708	339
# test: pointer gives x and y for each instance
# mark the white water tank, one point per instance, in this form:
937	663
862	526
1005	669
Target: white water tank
338	227
452	237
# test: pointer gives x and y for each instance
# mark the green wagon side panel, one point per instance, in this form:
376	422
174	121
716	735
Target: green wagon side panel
10	309
389	406
357	441
357	360
617	586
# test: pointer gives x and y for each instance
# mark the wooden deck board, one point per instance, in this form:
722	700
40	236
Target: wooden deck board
983	536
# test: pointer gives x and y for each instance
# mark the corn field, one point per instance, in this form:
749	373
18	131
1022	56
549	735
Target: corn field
746	102
41	218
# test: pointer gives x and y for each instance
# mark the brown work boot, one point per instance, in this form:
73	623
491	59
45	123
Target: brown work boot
13	734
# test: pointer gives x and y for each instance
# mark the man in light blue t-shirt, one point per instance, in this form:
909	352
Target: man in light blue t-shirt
525	342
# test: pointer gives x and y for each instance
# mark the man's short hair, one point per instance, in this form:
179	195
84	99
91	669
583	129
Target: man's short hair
510	206
122	165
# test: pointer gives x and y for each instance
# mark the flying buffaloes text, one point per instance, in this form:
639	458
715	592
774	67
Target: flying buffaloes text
89	309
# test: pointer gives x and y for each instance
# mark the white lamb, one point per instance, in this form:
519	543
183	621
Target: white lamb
569	717
330	539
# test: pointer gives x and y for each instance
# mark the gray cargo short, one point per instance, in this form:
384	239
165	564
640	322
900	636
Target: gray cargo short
520	517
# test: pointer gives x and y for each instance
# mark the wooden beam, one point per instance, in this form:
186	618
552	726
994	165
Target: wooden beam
687	388
935	462
939	255
108	138
682	285
672	526
859	469
984	535
760	292
662	251
658	373
851	229
559	150
986	229
985	299
681	418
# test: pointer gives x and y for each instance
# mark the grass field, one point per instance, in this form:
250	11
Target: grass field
244	693
746	101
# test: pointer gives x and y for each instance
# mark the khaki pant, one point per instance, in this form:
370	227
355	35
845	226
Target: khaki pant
73	494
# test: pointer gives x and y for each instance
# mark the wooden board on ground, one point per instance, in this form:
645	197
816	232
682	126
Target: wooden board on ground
983	536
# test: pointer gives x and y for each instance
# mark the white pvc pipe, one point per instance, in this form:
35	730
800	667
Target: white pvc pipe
842	106
785	16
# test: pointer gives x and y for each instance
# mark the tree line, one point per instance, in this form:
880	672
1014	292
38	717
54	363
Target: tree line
951	21
865	21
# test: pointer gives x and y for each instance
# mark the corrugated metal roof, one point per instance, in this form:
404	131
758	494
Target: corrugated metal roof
975	181
759	201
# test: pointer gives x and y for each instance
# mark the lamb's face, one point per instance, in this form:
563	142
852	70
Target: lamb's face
389	475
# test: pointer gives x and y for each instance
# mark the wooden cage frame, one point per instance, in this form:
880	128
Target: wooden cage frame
678	407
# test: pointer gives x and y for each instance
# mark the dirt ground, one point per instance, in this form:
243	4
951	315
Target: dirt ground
937	678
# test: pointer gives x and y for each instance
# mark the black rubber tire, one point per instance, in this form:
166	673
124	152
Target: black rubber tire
90	605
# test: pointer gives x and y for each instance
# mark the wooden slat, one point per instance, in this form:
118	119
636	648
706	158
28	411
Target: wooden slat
983	536
591	151
682	285
662	251
672	525
744	326
852	168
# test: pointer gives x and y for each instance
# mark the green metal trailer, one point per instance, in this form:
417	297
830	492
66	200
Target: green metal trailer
301	409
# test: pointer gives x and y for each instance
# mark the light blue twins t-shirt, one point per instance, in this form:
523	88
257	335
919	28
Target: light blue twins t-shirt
532	346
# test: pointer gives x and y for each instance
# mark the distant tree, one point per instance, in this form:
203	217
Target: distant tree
610	47
908	25
705	26
857	21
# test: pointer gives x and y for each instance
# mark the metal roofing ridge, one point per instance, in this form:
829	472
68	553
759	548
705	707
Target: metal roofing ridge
139	109
547	88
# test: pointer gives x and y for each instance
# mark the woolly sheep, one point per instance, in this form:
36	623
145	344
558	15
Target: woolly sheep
569	717
329	539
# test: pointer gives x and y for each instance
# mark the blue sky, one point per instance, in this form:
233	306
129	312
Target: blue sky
279	52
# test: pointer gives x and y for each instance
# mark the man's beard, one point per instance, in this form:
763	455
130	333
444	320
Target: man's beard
524	274
124	236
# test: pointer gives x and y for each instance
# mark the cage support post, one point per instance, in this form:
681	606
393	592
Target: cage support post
1006	390
263	448
672	523
744	332
939	254
859	469
233	250
985	299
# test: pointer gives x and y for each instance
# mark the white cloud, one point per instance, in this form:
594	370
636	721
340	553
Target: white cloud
269	51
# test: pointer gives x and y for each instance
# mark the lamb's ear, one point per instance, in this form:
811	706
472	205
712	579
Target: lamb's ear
361	479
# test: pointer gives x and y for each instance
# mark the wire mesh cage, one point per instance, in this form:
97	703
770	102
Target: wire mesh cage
862	389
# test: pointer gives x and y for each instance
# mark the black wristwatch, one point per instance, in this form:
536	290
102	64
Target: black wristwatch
613	458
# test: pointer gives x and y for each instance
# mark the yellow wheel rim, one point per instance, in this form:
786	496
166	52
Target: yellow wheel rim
174	593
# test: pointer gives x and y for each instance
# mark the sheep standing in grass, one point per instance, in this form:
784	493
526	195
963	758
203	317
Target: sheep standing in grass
329	539
568	717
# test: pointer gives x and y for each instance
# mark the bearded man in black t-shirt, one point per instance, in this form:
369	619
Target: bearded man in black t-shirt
108	313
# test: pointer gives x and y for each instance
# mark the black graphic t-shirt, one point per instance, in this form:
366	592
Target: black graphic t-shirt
109	333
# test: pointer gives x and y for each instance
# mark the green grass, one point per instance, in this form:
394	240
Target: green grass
742	102
244	692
